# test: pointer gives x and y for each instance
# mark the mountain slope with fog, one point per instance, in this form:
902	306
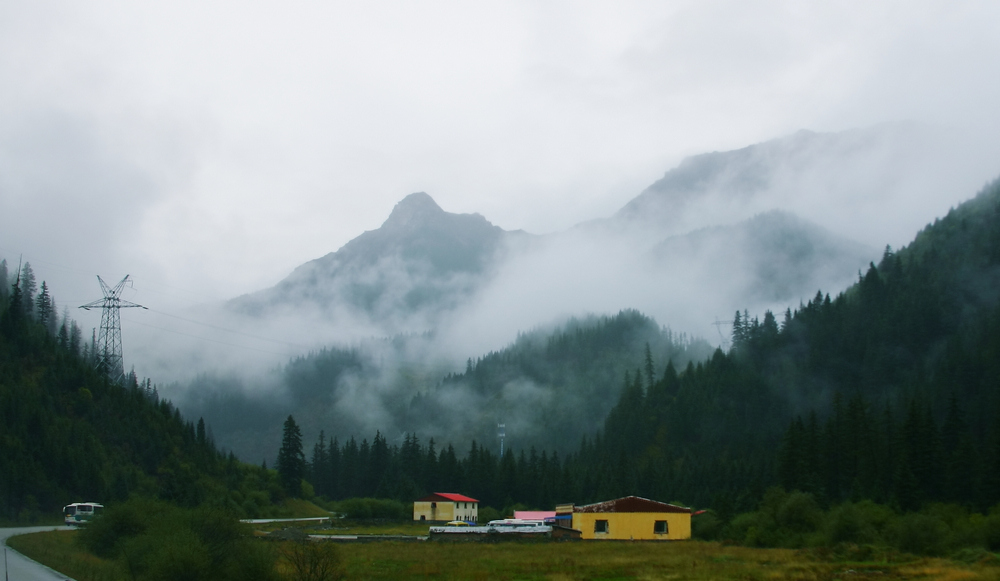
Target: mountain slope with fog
424	268
804	173
420	261
550	386
783	256
887	391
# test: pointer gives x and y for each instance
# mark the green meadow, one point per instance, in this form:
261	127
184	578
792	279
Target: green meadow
555	561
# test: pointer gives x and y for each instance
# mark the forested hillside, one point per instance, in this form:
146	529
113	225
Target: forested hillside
67	434
551	386
890	391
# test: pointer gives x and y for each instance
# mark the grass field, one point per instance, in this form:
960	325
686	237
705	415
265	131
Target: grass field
569	560
58	550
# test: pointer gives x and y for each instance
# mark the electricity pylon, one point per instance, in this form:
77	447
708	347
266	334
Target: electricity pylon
718	327
109	339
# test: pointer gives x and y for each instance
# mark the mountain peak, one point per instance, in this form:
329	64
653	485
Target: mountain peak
413	209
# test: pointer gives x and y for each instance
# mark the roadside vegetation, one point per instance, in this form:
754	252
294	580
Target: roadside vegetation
863	528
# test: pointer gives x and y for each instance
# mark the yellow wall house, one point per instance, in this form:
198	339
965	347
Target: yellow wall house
446	506
630	518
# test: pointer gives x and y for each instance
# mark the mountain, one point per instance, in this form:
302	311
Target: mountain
421	260
772	257
799	173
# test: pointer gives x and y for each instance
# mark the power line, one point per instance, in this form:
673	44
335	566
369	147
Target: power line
235	332
209	340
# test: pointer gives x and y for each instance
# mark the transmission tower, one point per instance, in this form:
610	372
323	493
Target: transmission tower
108	350
501	433
718	327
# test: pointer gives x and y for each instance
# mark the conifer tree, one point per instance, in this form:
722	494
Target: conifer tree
44	307
28	288
291	459
4	290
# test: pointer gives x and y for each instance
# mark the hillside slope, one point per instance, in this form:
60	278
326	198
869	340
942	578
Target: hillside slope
888	391
68	435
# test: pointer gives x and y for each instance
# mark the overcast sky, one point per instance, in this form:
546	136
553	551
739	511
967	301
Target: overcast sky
208	148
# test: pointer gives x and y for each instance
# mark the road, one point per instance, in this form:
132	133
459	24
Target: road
21	568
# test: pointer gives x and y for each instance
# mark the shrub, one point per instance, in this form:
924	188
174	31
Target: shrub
991	531
314	561
154	540
488	513
920	534
706	526
104	535
799	513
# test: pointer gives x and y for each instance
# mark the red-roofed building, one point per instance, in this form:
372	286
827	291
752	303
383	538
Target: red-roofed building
446	506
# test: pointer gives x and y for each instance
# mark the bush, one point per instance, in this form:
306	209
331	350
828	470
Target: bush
920	534
859	523
154	540
488	513
706	526
991	531
104	535
799	513
314	561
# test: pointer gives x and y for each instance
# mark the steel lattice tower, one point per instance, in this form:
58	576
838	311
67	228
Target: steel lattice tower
109	340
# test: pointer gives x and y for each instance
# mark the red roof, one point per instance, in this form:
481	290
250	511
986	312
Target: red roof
447	496
631	504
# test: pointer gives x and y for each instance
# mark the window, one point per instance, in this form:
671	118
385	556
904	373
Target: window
600	526
423	517
660	527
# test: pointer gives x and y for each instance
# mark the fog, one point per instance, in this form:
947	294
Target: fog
208	152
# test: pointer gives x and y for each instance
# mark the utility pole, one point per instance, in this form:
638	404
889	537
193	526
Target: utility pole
109	339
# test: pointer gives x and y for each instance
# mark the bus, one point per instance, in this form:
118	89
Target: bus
79	513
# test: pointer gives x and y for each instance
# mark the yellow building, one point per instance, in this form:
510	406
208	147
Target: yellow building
446	506
629	518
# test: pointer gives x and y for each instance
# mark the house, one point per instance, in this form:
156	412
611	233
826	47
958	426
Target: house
629	518
446	506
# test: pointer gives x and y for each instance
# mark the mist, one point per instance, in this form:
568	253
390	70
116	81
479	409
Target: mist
209	153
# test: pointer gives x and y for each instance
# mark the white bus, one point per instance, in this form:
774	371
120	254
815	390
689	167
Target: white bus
79	513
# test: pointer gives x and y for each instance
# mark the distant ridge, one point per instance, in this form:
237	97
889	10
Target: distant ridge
421	259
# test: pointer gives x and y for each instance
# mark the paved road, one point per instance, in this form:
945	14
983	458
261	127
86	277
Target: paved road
261	521
21	568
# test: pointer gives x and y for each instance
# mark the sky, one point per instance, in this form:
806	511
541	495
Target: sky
208	148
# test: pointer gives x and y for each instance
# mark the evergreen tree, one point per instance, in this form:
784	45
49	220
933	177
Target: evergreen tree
4	290
28	288
650	373
291	459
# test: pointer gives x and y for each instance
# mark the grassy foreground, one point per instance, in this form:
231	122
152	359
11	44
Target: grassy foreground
558	561
59	550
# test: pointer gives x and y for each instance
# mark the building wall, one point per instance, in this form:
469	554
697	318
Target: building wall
467	511
636	526
444	511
